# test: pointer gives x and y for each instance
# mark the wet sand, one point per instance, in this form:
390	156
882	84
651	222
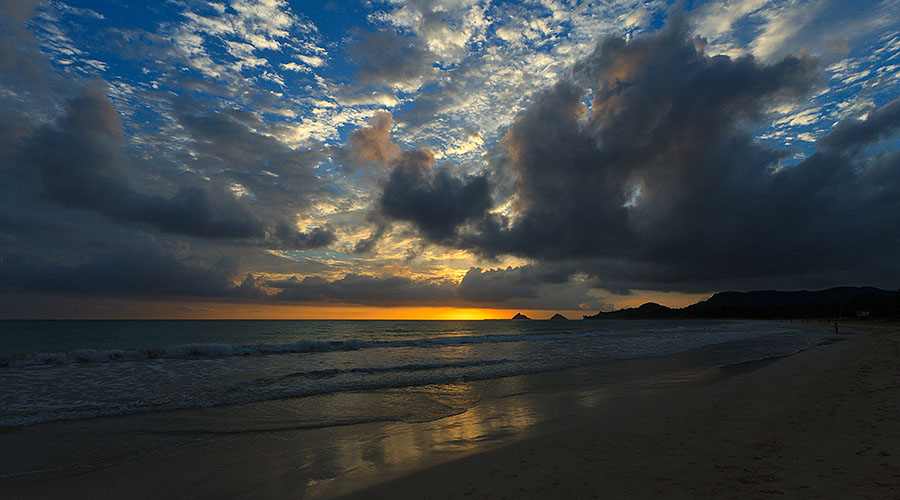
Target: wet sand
824	423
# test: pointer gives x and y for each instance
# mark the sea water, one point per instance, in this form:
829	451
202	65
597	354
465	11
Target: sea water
73	370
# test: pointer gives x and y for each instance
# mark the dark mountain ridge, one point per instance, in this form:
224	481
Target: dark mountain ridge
831	303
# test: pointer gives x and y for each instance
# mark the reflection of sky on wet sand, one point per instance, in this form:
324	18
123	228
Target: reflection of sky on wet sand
503	411
377	451
382	451
431	424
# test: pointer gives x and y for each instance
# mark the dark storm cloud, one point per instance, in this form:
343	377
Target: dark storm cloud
249	288
660	185
392	60
81	163
278	179
145	272
853	134
288	238
661	132
526	287
382	226
433	199
20	59
368	290
499	285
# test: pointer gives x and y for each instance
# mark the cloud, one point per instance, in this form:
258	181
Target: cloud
526	287
367	98
500	285
433	199
659	184
367	244
244	30
648	164
852	134
446	28
539	286
771	29
83	164
368	290
374	143
391	60
661	112
21	63
288	238
147	271
493	80
249	288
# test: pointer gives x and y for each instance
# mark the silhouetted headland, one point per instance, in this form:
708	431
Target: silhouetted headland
558	316
838	302
520	316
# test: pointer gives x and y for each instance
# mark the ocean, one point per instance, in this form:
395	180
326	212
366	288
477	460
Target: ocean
63	370
327	405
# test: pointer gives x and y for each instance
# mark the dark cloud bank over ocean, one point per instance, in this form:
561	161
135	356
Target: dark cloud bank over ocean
660	184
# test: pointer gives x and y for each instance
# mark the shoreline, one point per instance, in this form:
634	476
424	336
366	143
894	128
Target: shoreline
509	411
818	424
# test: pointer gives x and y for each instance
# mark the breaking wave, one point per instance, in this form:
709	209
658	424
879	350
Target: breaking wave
202	351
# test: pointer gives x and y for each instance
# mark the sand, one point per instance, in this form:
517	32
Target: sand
821	424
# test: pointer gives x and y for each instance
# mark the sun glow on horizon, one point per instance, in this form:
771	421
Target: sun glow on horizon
258	311
122	308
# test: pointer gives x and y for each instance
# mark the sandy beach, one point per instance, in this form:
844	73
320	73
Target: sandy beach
821	424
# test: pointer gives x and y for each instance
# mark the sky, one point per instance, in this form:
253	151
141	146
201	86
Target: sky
442	159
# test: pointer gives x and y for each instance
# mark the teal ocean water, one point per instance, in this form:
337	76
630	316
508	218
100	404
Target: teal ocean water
72	370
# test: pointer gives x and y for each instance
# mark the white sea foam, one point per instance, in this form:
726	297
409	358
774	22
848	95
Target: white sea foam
214	350
413	375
